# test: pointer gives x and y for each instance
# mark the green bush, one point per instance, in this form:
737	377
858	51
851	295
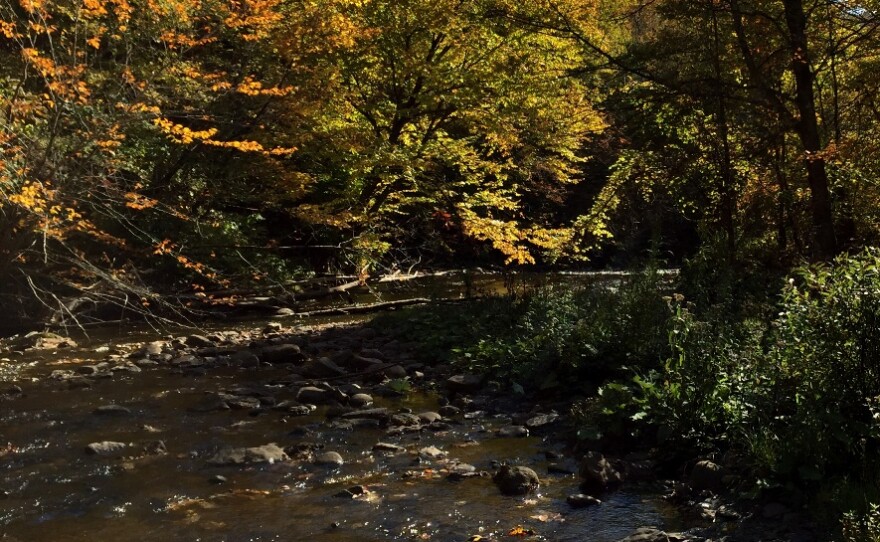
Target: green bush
826	352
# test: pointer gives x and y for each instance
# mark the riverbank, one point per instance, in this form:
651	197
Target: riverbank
226	434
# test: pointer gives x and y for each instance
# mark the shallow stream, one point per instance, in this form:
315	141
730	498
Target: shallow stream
51	490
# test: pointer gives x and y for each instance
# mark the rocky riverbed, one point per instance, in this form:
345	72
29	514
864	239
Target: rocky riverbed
318	432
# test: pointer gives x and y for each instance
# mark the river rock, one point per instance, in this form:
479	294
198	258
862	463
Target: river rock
322	368
112	410
106	448
388	447
272	327
449	411
649	534
156	447
268	453
431	452
516	480
582	501
373	413
281	353
465	383
79	382
242	403
430	417
707	475
513	431
597	473
198	341
541	420
315	396
87	370
405	420
329	459
38	340
294	408
150	349
395	371
360	400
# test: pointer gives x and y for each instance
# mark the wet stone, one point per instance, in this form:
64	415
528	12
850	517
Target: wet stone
513	431
156	447
395	371
707	475
582	501
516	480
431	452
317	396
449	411
329	459
282	353
198	341
268	453
465	383
430	417
353	492
374	413
322	368
79	383
106	448
388	447
598	474
112	410
404	420
242	403
541	420
360	400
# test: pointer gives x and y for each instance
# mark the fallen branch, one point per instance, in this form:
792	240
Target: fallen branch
361	309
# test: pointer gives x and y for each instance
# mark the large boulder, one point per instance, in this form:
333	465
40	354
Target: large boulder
707	475
597	474
516	480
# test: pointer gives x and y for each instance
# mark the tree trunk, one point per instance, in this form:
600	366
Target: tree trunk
807	128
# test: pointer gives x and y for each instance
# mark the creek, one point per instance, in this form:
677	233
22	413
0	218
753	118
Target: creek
51	489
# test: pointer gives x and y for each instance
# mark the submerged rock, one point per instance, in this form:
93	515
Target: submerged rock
268	453
513	431
582	501
112	410
516	480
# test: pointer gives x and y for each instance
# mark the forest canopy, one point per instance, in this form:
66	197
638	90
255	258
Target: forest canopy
183	145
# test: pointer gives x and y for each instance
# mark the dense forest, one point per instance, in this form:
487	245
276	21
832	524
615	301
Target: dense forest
166	157
183	146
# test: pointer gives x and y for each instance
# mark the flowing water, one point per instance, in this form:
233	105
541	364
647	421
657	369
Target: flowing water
51	490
